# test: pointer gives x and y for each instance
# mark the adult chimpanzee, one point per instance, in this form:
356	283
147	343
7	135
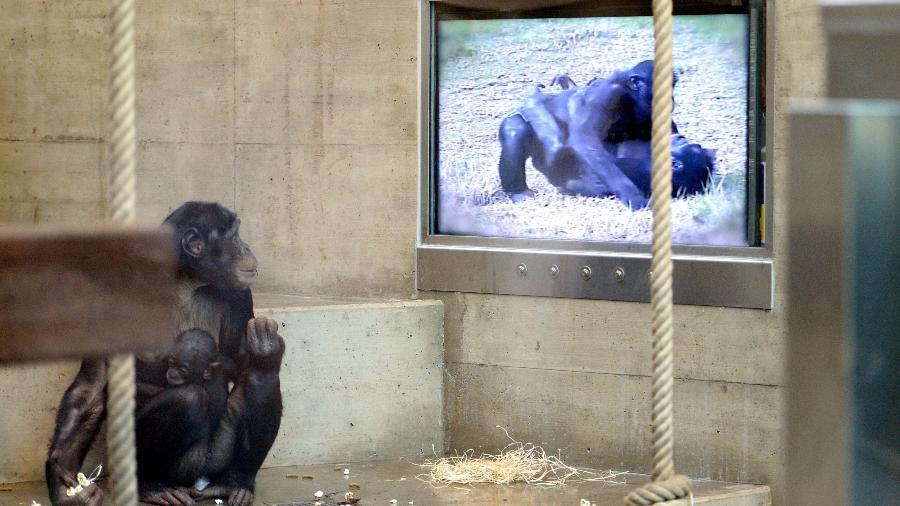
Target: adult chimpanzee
564	135
215	271
692	165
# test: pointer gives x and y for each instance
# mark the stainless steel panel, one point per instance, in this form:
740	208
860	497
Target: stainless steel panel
698	280
588	247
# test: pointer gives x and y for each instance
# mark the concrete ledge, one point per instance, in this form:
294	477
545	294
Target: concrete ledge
266	301
361	379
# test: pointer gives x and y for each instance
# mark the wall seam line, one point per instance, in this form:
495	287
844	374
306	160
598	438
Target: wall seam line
602	373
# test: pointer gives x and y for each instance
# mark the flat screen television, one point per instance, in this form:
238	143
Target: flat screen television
535	139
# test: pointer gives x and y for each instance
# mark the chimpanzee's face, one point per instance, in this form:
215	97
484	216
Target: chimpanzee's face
242	263
218	256
181	372
692	155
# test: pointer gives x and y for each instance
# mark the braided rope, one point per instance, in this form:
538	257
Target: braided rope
665	486
661	260
121	387
660	492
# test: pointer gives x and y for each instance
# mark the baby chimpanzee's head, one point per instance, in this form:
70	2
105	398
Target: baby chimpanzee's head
692	165
193	359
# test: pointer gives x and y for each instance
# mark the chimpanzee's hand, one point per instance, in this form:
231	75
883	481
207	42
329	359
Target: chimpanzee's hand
264	346
90	495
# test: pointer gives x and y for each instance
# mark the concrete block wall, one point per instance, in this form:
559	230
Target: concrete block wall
301	116
298	115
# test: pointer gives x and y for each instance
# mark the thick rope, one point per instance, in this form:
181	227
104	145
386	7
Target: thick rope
660	491
661	259
665	486
121	388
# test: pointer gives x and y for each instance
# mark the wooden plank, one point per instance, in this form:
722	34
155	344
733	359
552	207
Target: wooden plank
84	292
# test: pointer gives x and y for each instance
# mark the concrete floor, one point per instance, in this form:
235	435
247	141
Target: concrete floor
379	482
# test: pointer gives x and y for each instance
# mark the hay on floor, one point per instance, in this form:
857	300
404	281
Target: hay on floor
517	463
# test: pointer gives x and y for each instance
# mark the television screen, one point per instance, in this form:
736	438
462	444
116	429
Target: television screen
541	128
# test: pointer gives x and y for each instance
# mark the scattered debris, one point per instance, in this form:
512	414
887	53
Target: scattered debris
35	503
84	481
355	486
517	463
585	502
348	496
393	501
201	483
292	475
326	501
346	471
219	501
319	494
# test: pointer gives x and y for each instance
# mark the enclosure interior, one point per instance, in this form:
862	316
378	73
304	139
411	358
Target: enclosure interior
303	118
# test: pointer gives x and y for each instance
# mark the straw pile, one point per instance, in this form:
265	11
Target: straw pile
517	463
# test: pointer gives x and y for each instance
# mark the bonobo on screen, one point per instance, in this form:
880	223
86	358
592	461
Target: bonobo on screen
543	128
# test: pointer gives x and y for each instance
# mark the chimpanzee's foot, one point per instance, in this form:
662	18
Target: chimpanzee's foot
634	200
520	196
235	496
158	493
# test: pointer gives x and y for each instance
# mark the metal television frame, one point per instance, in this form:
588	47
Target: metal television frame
731	276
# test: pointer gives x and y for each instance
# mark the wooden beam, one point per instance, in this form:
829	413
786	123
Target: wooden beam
84	292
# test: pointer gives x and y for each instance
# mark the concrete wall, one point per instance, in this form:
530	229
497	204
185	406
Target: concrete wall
301	116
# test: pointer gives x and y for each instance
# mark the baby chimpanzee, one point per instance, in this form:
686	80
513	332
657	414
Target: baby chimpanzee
193	374
193	360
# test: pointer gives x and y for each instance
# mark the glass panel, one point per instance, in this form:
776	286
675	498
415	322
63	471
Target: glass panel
514	97
875	175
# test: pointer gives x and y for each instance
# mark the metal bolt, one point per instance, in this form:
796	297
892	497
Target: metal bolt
619	274
554	271
586	273
522	269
